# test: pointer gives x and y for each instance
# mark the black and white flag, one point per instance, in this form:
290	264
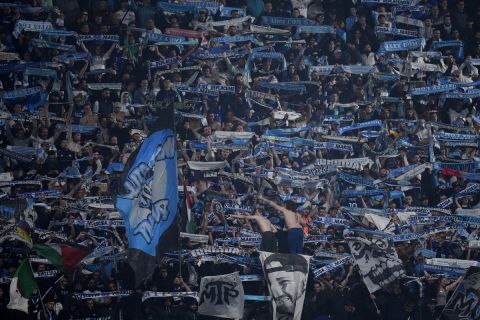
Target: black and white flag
378	261
222	296
286	275
465	301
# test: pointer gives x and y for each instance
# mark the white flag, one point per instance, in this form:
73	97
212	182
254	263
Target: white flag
287	276
222	296
378	261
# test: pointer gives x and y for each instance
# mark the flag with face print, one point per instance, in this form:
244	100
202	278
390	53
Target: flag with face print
286	275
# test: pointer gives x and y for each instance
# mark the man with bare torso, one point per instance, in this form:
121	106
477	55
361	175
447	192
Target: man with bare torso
269	238
294	223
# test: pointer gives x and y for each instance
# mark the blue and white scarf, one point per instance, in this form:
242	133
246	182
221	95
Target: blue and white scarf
355	180
472	189
392	2
396	31
234	39
32	26
57	33
157	37
433	89
289	86
354	69
316	29
98	37
401	45
472	94
330	267
65	58
443	44
361	125
21	93
282	21
52	45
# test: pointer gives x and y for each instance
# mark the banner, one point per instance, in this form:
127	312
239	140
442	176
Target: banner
378	261
222	296
465	301
286	276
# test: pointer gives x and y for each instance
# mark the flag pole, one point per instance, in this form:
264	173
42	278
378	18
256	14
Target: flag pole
38	288
56	281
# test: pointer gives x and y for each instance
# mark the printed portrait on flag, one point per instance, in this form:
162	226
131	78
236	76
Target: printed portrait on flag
378	261
465	301
286	275
222	296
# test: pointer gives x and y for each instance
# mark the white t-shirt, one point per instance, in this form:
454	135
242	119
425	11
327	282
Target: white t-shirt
301	5
129	16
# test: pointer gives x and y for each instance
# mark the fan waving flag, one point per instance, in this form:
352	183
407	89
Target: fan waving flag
148	202
21	288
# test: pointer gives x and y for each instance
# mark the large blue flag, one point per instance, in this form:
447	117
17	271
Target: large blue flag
149	201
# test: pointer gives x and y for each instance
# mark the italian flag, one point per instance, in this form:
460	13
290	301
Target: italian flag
191	225
22	286
63	257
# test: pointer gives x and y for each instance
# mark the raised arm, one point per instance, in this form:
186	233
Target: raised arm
275	206
454	284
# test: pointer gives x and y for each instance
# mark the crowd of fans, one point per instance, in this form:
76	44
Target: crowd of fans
260	91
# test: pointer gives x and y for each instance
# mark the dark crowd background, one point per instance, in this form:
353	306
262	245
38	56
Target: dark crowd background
114	123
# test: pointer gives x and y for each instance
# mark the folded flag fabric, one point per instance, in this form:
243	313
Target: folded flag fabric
23	232
22	286
63	257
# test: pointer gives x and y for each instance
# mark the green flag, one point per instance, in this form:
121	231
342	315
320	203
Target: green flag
22	286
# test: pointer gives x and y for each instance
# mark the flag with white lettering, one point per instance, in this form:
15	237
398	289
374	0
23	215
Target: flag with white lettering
286	275
149	196
378	261
222	296
465	301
